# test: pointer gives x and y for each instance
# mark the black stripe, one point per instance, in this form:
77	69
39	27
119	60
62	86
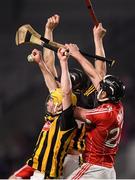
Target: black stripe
30	162
53	48
77	137
61	149
68	122
41	155
49	161
28	36
45	40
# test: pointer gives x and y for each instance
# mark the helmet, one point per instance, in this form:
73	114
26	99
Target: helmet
114	87
79	79
56	95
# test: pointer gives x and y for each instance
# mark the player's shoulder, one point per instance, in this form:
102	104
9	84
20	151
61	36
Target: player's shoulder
106	105
117	105
111	104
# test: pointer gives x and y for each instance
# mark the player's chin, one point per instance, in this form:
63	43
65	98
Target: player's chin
49	110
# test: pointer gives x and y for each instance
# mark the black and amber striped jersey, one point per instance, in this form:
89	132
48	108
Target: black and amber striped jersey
86	98
53	143
78	140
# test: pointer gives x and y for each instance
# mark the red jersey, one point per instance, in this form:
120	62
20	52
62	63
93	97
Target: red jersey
102	140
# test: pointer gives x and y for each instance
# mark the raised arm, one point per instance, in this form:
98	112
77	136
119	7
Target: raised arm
49	56
48	77
85	63
99	33
65	79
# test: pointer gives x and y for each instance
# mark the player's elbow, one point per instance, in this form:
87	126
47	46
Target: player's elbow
101	71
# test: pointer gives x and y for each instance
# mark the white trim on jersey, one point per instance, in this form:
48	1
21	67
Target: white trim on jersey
18	171
82	171
100	110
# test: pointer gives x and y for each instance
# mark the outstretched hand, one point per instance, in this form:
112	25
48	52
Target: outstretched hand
37	56
63	54
99	32
52	22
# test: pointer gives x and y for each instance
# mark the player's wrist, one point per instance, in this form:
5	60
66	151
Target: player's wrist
77	55
98	41
48	29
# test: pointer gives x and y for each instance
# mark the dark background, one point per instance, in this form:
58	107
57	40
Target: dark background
22	89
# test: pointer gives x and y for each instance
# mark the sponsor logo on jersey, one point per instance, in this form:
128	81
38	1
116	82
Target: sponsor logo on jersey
46	126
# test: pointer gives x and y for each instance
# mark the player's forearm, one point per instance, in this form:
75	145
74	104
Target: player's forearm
65	85
48	34
86	65
47	52
89	69
49	56
79	114
65	78
48	77
99	50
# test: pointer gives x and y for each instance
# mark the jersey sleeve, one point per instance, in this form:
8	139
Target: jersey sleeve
68	121
102	114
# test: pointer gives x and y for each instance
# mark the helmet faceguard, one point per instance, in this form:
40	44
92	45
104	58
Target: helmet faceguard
56	96
113	87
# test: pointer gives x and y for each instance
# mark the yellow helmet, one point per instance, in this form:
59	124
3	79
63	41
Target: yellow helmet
57	95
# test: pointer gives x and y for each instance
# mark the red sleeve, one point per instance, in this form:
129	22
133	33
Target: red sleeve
100	114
